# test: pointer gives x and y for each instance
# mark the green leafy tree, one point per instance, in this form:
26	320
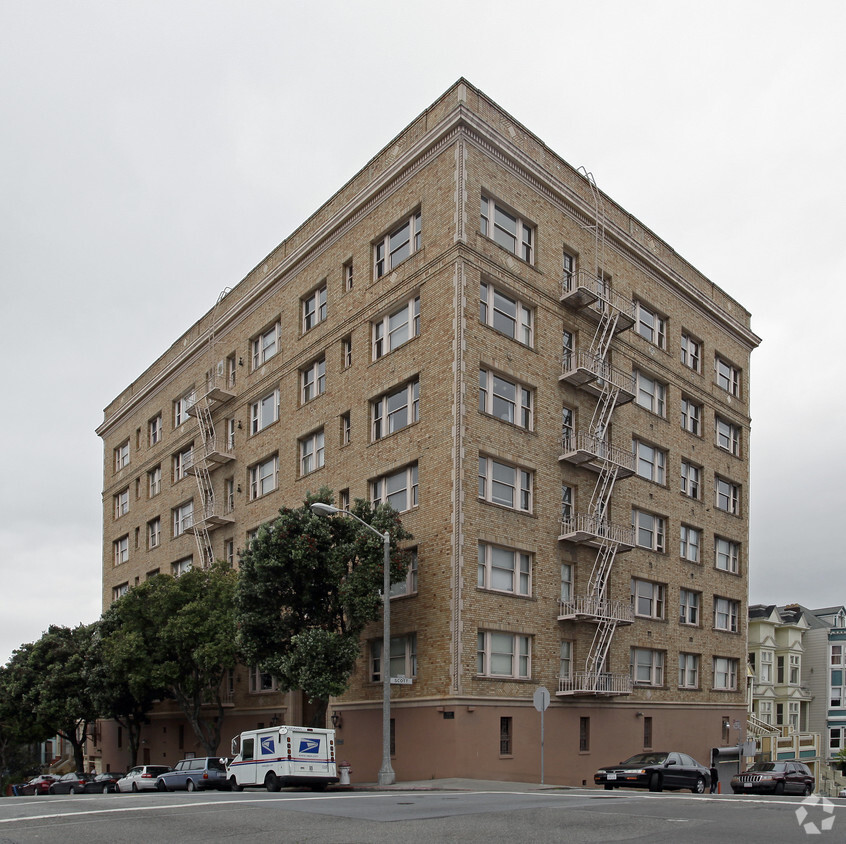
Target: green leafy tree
16	756
308	586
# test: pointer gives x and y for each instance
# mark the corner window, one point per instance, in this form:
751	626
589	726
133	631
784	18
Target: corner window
399	489
395	247
508	486
504	569
396	410
266	345
507	400
507	229
503	655
505	314
314	308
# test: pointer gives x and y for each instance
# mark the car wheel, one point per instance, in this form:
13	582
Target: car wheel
271	782
72	790
609	787
135	787
808	790
189	786
655	782
50	790
779	788
160	786
699	788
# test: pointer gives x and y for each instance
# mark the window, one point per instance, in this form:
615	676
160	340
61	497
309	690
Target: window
311	453
507	400
403	657
566	502
650	461
408	585
691	480
504	569
391	331
727	554
181	407
229	428
183	517
725	673
566	581
565	660
647	731
395	247
569	269
728	436
506	229
728	495
344	499
346	352
650	530
651	394
793	669
505	485
154	481
154	533
313	380
346	428
647	667
503	655
725	614
229	495
119	592
688	671
690	543
122	456
314	308
650	325
266	345
648	598
584	734
691	352
182	462
691	416
121	549
689	606
181	566
394	411
567	429
263	477
348	275
121	502
506	735
728	376
154	430
506	315
261	681
398	489
231	369
264	412
765	669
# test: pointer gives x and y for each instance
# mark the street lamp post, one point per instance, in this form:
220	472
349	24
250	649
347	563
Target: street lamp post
386	772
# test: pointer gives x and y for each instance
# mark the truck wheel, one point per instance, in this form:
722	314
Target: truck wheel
233	785
271	782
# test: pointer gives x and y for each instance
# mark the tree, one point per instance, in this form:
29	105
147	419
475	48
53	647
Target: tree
16	756
308	586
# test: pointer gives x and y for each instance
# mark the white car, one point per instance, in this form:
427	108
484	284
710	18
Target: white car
141	778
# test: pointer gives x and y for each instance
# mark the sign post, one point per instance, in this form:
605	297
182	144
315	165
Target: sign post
541	701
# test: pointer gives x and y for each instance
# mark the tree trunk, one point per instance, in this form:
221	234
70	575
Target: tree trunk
319	717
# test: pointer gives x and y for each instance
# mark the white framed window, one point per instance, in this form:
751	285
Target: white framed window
264	477
181	407
728	376
505	314
691	480
182	462
181	566
504	569
314	308
229	551
651	325
396	328
647	667
347	274
726	613
691	352
565	660
265	345
264	412
566	501
651	394
688	671
691	416
503	655
122	456
566	581
344	499
650	530
648	598
690	604
154	429
346	352
261	681
725	673
396	246
569	269
402	657
507	229
311	452
765	711
399	489
121	502
727	495
505	399
120	591
506	485
154	533
650	462
183	517
690	543
727	554
154	481
765	670
794	669
408	585
567	428
346	428
727	436
395	410
313	380
121	549
229	495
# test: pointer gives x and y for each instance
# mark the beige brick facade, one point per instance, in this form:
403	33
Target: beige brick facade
449	721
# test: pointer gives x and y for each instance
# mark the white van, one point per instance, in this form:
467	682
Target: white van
280	756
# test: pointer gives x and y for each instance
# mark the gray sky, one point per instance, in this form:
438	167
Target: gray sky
154	152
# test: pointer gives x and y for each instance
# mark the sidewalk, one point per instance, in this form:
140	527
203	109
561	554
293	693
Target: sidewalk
453	784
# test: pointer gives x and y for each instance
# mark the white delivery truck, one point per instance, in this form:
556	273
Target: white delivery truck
274	757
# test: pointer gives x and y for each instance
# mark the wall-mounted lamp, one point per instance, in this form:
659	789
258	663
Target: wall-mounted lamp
638	715
336	720
240	361
239	487
239	424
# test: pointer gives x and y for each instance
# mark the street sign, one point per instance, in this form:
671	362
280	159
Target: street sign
541	698
400	681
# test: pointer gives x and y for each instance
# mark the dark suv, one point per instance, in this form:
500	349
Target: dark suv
774	778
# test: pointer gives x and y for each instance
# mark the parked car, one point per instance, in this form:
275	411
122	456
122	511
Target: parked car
201	772
70	783
656	771
37	785
103	783
788	777
141	778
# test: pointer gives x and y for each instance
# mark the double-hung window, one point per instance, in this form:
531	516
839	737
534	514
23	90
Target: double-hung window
506	485
765	669
691	542
651	394
691	352
117	592
399	489
395	410
402	659
728	436
264	477
651	325
689	607
725	673
314	308
121	549
408	585
650	530
727	554
183	518
121	501
122	456
264	412
154	429
728	495
726	614
504	569
505	399
181	566
688	671
154	481
691	416
395	247
691	480
569	270
503	655
651	462
311	452
182	462
154	533
313	380
647	667
507	229
398	327
181	407
648	598
728	376
266	345
506	314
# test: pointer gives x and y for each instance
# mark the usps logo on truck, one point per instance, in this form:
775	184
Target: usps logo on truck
309	745
268	748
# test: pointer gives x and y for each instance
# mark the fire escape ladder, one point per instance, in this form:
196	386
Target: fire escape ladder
204	483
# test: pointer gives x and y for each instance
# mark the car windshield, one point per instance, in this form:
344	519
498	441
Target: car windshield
646	759
768	766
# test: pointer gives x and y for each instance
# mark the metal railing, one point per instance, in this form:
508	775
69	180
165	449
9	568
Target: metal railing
599	608
589	683
598	369
587	523
597	292
598	448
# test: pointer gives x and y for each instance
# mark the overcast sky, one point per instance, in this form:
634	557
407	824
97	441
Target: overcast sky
152	153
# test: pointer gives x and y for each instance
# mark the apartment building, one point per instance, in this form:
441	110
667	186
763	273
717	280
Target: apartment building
556	401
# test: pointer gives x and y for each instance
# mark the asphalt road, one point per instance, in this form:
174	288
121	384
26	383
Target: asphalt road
498	812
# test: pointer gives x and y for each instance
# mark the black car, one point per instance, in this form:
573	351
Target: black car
103	783
789	777
656	771
70	783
